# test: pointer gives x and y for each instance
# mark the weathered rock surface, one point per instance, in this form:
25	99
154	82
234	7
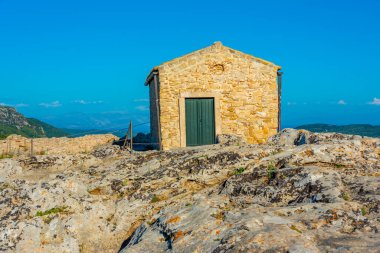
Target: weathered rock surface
300	192
9	116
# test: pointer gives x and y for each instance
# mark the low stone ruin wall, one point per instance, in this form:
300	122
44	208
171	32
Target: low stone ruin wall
19	145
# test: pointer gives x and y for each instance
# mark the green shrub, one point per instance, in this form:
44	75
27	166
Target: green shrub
154	199
239	171
271	171
54	210
292	227
3	156
346	196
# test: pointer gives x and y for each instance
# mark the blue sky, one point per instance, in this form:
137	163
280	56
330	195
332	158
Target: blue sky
82	64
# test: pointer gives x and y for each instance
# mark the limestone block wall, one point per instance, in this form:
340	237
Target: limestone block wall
246	88
19	145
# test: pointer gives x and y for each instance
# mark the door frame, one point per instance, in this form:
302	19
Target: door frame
182	112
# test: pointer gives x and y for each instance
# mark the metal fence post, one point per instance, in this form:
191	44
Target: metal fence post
131	126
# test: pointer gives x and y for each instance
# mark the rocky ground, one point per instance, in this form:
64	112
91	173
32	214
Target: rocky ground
300	192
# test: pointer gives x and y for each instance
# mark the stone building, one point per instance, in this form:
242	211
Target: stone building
212	91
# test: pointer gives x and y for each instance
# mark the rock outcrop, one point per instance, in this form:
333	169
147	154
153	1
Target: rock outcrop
300	192
9	116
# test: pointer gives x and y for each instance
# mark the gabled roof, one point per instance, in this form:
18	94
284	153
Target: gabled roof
217	45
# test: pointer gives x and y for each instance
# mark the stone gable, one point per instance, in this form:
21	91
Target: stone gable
244	88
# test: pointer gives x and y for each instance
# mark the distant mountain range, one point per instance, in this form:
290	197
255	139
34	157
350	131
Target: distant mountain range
356	129
99	120
13	122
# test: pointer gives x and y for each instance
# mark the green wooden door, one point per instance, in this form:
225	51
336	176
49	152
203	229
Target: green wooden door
200	121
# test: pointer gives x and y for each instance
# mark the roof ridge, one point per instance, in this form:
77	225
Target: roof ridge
217	45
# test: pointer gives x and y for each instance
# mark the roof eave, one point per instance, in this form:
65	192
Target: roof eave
152	73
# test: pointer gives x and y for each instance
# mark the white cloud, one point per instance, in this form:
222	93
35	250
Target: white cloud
21	105
142	108
375	101
53	104
291	103
114	112
141	100
84	102
15	105
102	122
342	102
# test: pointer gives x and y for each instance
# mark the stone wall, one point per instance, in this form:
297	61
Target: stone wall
19	145
246	88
